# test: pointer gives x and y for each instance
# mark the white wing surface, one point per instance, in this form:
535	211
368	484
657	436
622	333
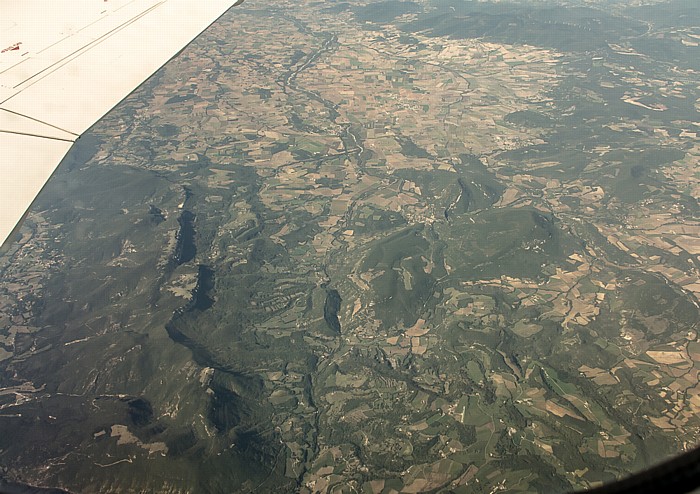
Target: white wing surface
64	64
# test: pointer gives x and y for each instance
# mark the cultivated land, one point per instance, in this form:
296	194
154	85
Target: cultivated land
380	248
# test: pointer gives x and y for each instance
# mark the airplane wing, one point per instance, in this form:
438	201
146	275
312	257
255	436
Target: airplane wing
64	64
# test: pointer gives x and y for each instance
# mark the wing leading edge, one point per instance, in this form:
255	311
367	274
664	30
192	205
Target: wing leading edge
64	65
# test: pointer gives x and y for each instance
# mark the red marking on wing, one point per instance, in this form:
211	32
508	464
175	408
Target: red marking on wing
12	47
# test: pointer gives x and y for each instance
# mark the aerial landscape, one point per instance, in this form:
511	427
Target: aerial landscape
377	247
